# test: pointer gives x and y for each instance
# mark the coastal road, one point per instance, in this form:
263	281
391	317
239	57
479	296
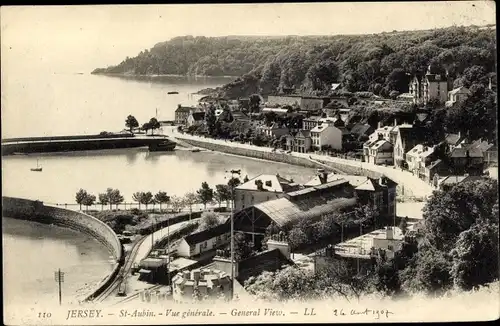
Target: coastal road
414	185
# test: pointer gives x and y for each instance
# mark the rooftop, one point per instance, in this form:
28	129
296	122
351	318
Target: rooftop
185	109
358	182
283	211
202	236
361	246
464	152
270	182
461	89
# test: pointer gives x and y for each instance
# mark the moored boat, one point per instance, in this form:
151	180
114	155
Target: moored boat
163	146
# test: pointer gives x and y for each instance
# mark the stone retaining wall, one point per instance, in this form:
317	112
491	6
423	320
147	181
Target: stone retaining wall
276	157
36	211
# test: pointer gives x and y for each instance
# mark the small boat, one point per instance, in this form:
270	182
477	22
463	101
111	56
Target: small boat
38	168
170	93
196	150
164	146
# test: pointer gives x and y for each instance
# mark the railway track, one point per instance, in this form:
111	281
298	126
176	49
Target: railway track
121	278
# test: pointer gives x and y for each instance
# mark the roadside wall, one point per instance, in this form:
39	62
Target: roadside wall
281	157
36	211
276	157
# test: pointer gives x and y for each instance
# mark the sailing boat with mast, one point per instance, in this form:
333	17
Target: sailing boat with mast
38	167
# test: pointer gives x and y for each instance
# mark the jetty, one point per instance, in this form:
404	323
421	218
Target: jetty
28	145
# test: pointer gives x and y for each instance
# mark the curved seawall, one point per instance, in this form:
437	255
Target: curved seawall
36	211
280	157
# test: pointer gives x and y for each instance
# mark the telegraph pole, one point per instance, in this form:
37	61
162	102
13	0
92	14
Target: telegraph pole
232	233
59	278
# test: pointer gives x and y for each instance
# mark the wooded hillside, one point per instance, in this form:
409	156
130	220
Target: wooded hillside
380	63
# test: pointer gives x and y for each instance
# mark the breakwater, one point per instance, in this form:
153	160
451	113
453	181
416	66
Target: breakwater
36	211
77	143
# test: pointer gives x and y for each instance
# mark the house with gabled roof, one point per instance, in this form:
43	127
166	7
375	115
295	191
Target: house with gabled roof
420	155
465	160
201	242
406	137
431	86
182	113
455	140
196	119
490	151
262	188
300	142
379	151
377	192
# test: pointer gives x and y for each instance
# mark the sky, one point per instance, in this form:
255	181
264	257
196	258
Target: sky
81	38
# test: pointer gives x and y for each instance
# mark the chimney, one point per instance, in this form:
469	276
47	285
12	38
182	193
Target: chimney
459	135
395	122
389	233
196	275
379	125
323	176
279	241
179	106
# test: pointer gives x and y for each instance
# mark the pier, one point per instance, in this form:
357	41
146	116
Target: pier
78	143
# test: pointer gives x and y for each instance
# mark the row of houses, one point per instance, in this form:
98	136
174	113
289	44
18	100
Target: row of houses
405	146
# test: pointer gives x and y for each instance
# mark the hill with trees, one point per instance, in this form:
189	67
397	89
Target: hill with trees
381	63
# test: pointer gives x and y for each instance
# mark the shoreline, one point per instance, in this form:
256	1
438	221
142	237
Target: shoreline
160	75
417	187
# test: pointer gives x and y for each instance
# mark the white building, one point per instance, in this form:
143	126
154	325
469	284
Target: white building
201	242
389	240
380	151
326	135
418	157
457	95
260	189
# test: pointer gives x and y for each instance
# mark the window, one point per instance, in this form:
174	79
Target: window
204	245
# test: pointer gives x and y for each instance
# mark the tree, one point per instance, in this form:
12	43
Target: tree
146	126
245	179
222	193
209	220
89	200
475	256
242	248
131	123
233	183
177	203
210	120
80	197
297	238
254	102
190	199
162	198
154	124
428	271
115	197
205	194
449	213
146	199
137	197
103	199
